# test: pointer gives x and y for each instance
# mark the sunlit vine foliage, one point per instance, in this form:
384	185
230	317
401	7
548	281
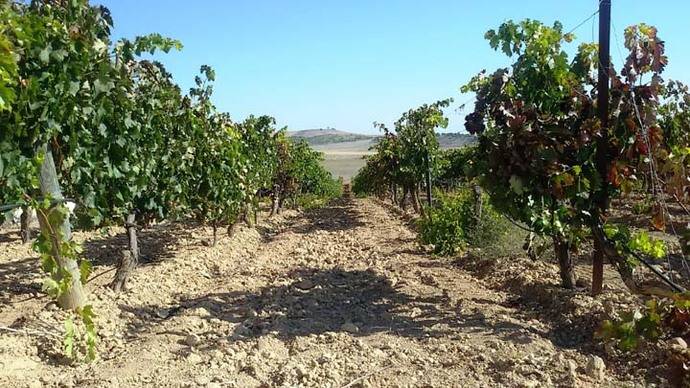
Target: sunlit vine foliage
128	145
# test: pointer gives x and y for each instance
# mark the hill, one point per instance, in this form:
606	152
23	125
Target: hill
328	136
455	140
344	151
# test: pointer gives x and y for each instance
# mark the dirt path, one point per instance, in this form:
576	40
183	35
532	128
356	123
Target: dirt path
341	296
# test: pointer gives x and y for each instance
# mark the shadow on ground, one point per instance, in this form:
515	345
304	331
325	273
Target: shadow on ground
572	324
542	298
8	235
341	214
360	302
156	243
16	279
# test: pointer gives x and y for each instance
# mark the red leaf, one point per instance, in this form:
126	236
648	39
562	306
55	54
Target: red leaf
658	217
655	136
613	177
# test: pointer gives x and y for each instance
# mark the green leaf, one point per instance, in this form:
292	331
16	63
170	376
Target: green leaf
129	123
51	287
85	268
628	342
68	341
44	55
73	88
516	185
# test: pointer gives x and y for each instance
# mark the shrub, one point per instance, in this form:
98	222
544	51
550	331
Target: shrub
452	225
447	224
329	189
300	178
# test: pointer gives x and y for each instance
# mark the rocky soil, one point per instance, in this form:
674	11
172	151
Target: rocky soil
339	297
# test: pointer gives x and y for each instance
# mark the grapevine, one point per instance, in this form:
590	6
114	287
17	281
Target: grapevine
87	118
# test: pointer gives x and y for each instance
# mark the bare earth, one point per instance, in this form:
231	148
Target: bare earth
340	297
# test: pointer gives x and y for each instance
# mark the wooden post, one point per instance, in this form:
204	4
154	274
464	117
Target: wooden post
602	155
74	298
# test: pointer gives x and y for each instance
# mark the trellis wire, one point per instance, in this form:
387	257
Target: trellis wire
12	206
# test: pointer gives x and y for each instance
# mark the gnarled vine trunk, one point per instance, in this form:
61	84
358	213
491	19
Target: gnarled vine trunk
74	298
597	268
624	269
232	228
414	196
275	208
420	204
244	216
125	267
565	262
255	209
214	225
281	202
249	216
25	225
403	198
130	258
478	203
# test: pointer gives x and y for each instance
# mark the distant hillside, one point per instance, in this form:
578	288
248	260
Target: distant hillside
327	136
343	155
455	140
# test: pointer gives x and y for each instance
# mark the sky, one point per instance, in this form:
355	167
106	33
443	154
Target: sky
346	64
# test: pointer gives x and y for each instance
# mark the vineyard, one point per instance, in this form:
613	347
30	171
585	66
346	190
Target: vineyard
148	238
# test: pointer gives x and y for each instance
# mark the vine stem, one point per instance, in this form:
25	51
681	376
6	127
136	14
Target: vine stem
54	238
681	204
94	277
512	221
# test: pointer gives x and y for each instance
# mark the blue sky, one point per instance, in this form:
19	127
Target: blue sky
345	64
